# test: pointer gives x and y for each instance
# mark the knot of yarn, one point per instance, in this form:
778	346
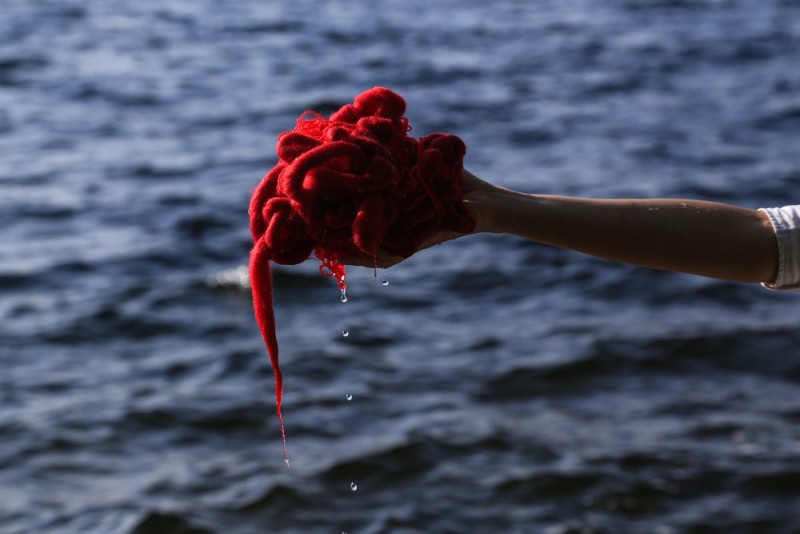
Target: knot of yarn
345	187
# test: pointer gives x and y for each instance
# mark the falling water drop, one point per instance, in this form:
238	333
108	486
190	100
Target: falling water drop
343	298
349	396
353	486
345	333
385	283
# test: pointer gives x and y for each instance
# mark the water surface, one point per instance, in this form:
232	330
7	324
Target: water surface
497	385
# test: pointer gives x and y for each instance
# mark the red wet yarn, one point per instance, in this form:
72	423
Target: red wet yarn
345	187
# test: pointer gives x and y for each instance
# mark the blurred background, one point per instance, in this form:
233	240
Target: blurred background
495	385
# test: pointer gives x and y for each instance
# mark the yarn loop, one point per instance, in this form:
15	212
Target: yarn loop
345	187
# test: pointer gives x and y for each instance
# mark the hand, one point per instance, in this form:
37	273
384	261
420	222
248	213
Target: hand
475	191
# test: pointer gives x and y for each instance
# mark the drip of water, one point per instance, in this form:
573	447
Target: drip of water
353	486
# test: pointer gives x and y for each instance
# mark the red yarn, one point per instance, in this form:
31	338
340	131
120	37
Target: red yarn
346	186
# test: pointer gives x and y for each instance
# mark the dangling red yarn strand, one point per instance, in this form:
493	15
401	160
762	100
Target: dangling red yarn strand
345	187
331	268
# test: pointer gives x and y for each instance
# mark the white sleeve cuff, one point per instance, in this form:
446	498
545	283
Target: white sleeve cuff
786	222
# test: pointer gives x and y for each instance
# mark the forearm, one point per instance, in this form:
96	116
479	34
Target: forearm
705	238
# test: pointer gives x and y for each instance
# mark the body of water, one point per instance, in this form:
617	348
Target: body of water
495	385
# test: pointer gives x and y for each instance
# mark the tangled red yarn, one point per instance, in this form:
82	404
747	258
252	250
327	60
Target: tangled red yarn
346	186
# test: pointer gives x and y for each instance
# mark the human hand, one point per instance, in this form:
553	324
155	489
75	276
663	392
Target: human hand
475	191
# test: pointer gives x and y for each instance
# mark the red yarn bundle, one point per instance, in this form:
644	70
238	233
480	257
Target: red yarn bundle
345	187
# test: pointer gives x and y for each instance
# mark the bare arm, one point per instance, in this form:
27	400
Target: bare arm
692	236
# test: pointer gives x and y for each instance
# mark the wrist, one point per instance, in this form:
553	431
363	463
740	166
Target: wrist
490	207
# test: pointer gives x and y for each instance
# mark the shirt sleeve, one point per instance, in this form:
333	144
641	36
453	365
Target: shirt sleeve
786	222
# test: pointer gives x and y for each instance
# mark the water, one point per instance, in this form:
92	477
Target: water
507	387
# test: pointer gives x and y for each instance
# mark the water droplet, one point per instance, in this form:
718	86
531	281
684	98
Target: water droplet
385	283
287	462
345	333
343	298
353	486
349	396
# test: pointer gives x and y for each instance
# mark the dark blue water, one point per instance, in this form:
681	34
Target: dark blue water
497	385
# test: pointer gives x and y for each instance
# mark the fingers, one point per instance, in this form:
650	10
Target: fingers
473	187
384	260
